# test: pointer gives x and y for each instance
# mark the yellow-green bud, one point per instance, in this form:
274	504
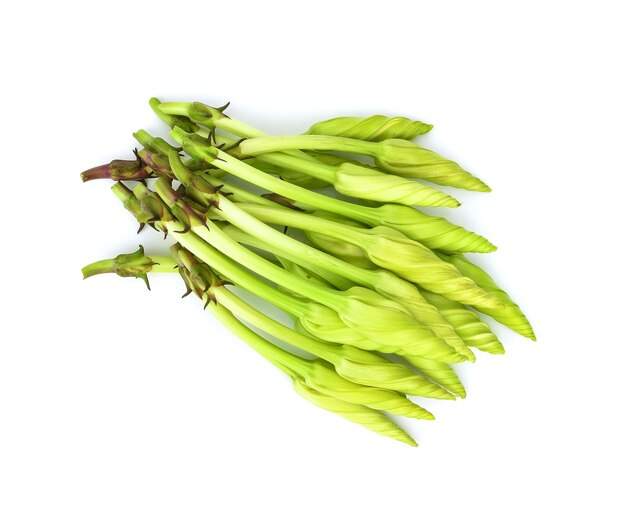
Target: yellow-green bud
372	128
371	419
405	158
368	183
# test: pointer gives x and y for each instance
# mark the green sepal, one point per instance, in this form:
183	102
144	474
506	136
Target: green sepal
118	170
126	265
172	120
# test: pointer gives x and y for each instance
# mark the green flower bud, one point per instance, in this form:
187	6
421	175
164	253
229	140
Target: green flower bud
414	262
367	183
373	128
391	327
511	315
390	249
466	323
434	232
325	324
372	369
407	159
439	372
367	417
410	297
323	378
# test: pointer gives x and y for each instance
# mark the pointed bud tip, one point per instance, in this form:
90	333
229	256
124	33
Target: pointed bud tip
452	203
409	441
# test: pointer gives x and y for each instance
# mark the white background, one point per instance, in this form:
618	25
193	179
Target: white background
116	399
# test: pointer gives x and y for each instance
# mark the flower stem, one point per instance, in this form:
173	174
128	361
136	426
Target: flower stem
270	144
279	357
214	236
293	248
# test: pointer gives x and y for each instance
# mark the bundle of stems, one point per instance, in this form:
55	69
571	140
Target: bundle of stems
382	300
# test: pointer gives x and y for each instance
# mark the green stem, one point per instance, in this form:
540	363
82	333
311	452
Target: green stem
242	196
240	276
261	179
313	168
212	234
269	351
242	237
250	314
303	221
217	119
272	144
295	249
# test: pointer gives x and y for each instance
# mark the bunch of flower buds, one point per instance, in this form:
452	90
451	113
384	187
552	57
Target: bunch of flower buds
382	300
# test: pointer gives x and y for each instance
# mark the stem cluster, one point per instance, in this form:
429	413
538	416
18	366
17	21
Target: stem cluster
380	295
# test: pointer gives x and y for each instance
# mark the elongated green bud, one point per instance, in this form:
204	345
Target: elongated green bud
370	368
323	378
372	128
367	183
466	323
409	296
404	158
367	417
364	182
433	232
393	155
511	316
439	372
387	325
413	261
